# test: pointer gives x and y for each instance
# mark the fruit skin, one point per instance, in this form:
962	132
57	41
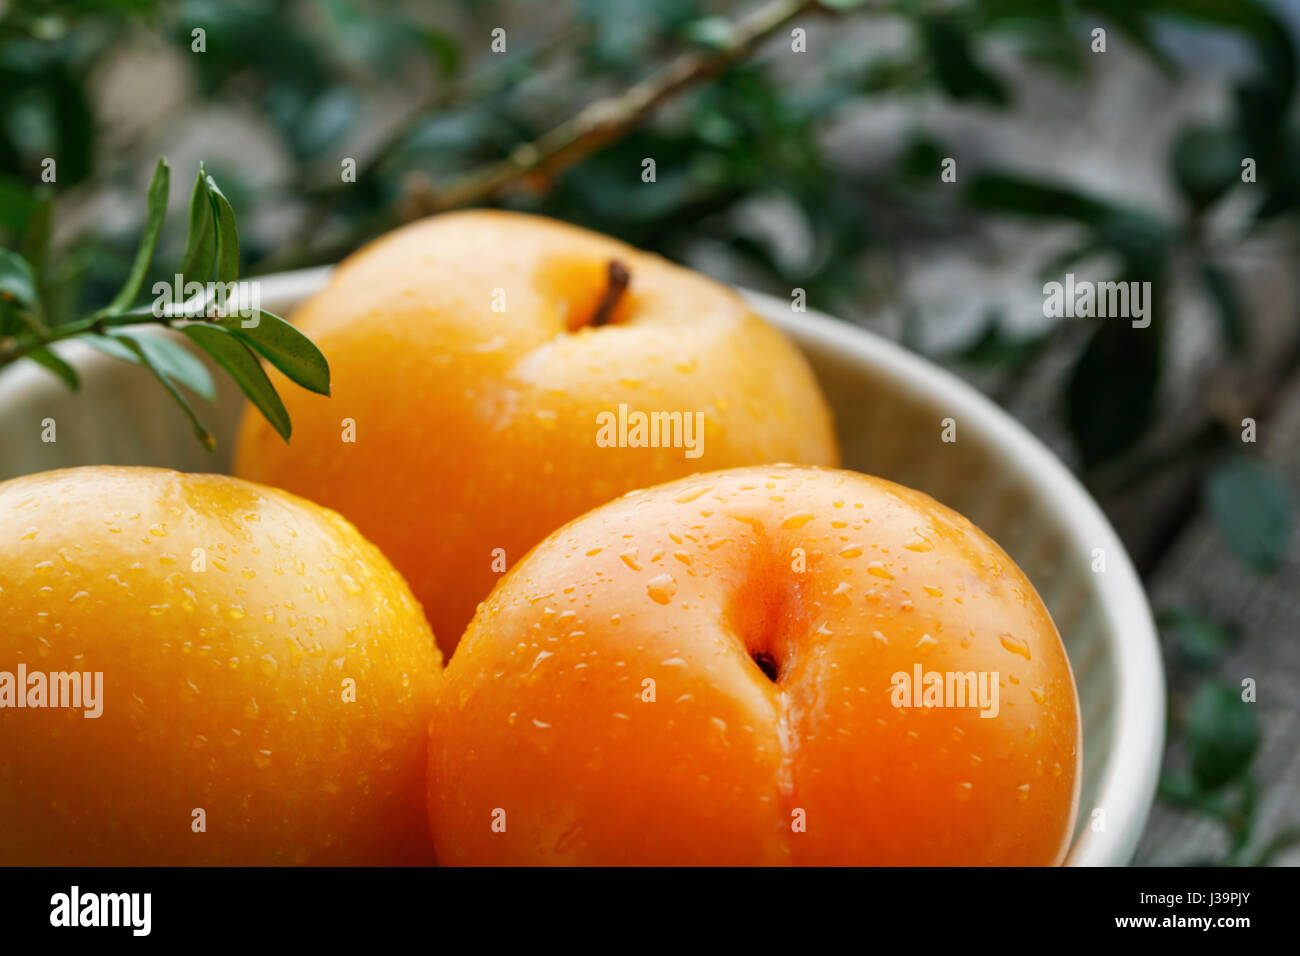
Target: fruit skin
222	688
543	711
476	429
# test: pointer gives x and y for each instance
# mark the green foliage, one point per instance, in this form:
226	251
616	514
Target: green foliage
229	339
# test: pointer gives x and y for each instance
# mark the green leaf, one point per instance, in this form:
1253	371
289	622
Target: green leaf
36	234
18	289
1222	734
1206	163
15	201
200	246
1201	641
1111	390
1180	788
445	50
238	360
167	355
1061	263
66	373
1005	192
176	362
960	74
227	234
1254	510
157	211
284	347
200	430
110	346
1222	291
17	281
994	348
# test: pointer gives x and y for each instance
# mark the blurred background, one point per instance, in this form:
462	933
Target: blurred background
801	145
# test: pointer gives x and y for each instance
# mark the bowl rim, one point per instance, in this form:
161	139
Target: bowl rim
1131	767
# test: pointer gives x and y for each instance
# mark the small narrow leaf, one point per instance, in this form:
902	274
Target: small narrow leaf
66	373
200	430
238	360
110	346
1201	641
1111	391
958	71
18	284
157	211
36	236
1022	195
1227	303
1222	734
227	234
1253	508
176	362
284	347
201	245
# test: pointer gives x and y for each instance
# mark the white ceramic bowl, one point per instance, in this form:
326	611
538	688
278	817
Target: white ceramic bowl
889	405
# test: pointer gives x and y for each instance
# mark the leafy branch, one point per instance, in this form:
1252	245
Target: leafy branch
232	334
608	120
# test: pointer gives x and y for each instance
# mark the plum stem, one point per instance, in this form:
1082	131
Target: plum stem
618	279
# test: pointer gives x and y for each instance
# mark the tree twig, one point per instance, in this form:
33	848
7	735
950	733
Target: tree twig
606	120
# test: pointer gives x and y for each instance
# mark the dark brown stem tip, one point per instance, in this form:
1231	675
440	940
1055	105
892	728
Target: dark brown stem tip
616	285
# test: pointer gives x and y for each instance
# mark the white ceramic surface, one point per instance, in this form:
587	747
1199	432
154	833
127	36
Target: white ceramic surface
889	405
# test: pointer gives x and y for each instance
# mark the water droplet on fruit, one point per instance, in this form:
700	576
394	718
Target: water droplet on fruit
661	588
877	570
690	494
1015	645
797	520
